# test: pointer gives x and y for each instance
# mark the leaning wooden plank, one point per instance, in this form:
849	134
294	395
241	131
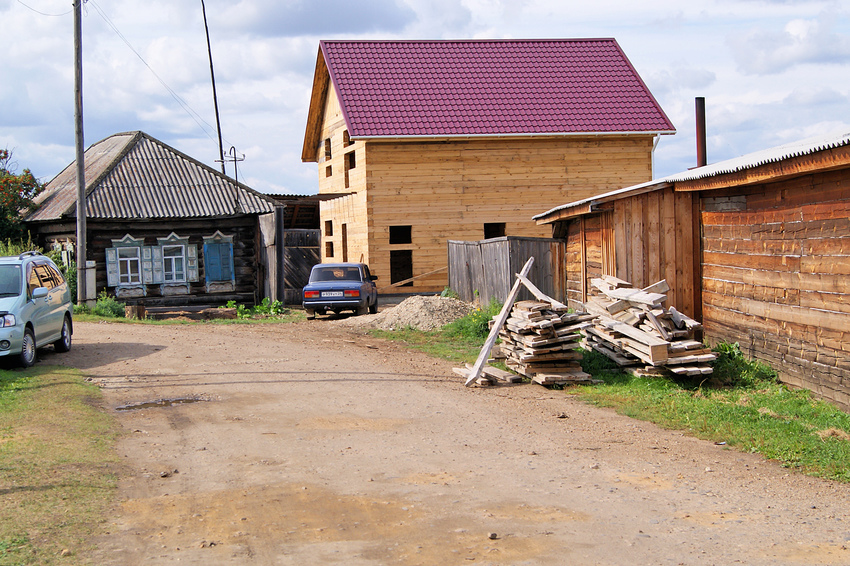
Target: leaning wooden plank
637	296
658	326
494	332
611	354
633	332
660	287
540	294
482	380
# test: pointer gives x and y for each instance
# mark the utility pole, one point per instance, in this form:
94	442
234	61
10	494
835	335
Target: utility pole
215	98
80	148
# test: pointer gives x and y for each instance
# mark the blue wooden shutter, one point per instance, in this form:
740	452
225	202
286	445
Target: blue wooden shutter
218	261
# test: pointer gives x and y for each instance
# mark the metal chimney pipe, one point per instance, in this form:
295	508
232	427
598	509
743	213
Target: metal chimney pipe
702	158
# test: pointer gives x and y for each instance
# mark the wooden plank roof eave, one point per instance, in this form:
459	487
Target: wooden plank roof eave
318	99
597	203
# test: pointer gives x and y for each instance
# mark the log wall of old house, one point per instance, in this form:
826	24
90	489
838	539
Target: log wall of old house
776	277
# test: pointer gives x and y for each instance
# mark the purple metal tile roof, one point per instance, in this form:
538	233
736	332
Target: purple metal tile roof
461	88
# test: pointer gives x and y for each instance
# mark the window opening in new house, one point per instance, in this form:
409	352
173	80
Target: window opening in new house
173	263
494	230
400	235
350	163
329	171
401	266
329	227
346	140
329	249
327	148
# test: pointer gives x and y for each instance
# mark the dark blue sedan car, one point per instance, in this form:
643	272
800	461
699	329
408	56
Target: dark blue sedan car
338	287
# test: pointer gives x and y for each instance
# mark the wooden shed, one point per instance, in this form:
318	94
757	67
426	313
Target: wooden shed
757	248
429	141
162	228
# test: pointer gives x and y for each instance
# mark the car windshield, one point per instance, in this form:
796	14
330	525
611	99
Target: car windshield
335	274
10	280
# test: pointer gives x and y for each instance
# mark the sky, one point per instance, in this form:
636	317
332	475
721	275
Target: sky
771	71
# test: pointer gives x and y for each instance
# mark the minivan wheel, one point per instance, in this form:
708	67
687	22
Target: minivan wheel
27	357
64	342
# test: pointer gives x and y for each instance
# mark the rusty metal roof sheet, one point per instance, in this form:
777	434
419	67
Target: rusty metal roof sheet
135	176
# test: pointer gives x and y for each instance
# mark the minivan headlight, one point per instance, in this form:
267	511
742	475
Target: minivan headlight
7	320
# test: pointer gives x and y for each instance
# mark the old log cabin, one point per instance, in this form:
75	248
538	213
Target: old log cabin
162	228
425	141
756	247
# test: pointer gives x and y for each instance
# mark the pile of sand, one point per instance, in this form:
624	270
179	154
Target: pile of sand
419	312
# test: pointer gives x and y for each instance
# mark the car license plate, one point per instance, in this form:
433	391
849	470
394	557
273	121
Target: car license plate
332	293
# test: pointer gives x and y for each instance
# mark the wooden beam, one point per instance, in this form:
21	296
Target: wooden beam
404	282
538	293
497	326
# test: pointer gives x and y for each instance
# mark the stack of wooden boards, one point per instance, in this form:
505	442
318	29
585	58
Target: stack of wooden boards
632	326
540	340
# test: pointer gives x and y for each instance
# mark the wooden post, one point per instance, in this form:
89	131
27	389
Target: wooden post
500	320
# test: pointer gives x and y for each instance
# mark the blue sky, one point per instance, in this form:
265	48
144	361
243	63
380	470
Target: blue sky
771	71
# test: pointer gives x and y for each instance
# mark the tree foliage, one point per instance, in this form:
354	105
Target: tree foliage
17	192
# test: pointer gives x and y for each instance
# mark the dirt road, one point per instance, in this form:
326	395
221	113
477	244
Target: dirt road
313	444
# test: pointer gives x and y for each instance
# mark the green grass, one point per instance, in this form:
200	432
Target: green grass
58	466
741	404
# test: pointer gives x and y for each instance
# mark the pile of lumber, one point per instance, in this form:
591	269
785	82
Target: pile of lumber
633	327
540	340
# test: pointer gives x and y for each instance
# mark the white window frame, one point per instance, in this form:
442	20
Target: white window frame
174	266
125	273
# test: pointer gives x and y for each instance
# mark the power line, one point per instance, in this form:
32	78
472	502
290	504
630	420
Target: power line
185	105
44	14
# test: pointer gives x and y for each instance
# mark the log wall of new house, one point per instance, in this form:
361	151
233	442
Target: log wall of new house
776	277
450	189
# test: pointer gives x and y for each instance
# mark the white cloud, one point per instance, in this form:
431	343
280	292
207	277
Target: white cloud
800	41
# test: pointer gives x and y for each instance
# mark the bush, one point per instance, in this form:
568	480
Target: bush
733	368
17	247
449	293
107	306
476	324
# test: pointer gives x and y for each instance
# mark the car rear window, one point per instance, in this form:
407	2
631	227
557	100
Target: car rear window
334	274
10	280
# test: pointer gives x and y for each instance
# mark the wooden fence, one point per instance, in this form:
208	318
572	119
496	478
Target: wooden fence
486	269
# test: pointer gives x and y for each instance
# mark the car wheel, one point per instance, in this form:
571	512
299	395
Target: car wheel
359	311
27	357
311	315
64	342
373	308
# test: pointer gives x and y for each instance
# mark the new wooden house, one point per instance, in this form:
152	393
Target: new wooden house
419	142
757	248
162	228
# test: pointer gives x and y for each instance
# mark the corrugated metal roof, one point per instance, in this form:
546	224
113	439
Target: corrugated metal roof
771	155
789	150
490	87
134	176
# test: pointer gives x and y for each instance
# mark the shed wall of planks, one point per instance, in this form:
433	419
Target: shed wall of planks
642	239
775	266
